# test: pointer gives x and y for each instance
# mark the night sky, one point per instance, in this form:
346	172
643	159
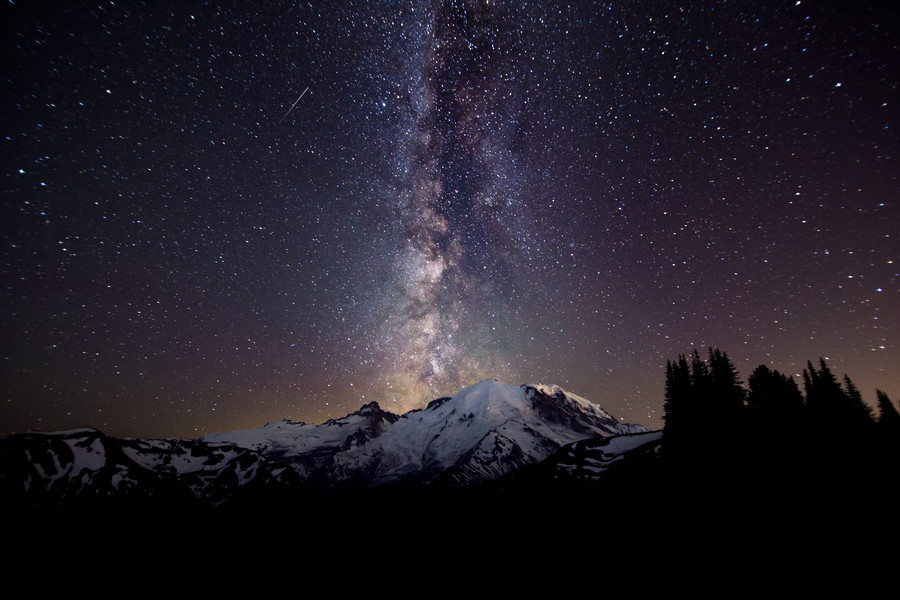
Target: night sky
216	215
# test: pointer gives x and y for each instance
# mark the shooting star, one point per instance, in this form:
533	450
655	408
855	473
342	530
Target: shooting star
293	105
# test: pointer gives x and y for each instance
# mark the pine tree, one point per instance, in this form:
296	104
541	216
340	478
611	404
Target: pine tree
831	405
679	405
775	410
701	391
887	413
699	375
773	394
726	390
824	397
702	395
856	408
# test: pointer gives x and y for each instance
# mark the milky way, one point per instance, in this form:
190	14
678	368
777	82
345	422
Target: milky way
455	199
218	215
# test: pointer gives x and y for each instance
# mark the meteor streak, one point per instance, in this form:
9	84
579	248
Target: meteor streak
293	105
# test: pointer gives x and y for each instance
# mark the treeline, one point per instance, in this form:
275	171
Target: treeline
823	435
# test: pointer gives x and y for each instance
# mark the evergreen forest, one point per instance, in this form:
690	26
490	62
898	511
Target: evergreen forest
775	440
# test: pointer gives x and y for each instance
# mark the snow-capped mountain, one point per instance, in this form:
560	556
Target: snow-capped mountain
80	466
482	433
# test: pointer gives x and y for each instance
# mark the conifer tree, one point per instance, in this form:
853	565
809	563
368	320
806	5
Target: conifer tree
831	406
724	411
887	413
824	396
856	407
773	394
679	403
699	375
726	388
701	391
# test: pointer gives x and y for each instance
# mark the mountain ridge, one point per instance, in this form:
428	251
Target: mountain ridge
482	433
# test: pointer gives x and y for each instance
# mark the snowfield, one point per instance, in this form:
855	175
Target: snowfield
378	447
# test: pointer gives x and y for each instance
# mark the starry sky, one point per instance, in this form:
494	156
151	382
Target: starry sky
219	214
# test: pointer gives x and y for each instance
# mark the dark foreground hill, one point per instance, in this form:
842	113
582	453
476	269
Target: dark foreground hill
495	464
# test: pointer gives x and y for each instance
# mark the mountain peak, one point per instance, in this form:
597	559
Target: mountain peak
370	407
373	411
480	433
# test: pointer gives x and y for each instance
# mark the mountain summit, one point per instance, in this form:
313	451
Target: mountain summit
482	432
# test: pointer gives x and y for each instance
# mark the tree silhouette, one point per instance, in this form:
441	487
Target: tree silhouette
888	429
725	390
821	443
701	387
887	413
679	402
830	405
772	392
703	405
856	407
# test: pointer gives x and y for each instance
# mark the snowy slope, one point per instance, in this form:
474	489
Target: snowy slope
73	467
590	459
482	432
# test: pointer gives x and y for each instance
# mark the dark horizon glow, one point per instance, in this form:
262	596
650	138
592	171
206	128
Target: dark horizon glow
215	216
